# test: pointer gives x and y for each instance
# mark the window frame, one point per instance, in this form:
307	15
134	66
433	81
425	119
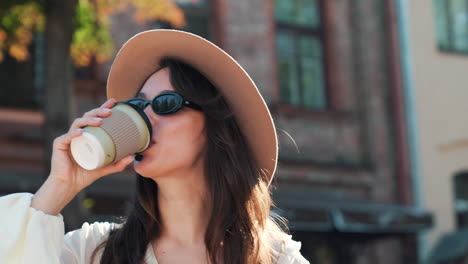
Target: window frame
461	216
450	29
298	31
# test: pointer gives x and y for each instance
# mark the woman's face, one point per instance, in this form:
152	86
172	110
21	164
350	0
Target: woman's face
178	140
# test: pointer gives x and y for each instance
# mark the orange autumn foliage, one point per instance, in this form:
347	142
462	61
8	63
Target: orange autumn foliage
16	29
91	37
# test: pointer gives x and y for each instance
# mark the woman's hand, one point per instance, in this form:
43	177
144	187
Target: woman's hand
64	167
66	177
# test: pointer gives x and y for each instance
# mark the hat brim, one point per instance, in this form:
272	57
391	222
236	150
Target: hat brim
139	57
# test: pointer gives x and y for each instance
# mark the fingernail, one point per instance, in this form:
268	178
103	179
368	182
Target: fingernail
77	130
106	110
97	119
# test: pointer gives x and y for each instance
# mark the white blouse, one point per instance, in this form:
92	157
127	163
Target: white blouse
28	236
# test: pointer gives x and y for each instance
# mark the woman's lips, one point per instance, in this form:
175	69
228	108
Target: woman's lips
152	142
139	157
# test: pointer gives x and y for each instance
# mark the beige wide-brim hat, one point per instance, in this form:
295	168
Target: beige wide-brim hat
139	57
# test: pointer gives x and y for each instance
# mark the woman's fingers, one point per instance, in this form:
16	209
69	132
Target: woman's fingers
94	117
116	166
85	121
109	103
103	111
63	142
100	112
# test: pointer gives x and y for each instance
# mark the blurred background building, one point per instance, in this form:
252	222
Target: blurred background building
439	62
367	97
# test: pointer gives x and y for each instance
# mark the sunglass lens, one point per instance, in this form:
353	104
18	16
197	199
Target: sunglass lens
140	103
166	104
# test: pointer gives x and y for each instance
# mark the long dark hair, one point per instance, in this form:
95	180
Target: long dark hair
240	223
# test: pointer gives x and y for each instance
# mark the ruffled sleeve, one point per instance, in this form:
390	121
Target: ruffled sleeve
28	235
288	250
80	244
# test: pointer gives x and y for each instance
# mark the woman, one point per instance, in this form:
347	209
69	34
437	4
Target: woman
202	185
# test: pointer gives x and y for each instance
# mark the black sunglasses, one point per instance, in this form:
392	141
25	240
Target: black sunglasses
164	104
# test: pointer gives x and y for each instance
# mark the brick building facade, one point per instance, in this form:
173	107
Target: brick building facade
343	177
348	154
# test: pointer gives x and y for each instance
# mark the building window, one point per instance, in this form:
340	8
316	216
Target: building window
461	199
197	16
452	25
18	83
300	53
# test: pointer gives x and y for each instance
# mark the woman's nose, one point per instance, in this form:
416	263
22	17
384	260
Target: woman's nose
152	116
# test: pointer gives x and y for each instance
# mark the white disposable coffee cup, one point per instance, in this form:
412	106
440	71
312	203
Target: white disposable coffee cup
127	131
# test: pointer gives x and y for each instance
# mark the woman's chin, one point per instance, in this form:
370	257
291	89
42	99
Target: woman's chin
144	169
139	167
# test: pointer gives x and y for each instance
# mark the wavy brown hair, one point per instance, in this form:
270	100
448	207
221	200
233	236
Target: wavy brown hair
240	222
